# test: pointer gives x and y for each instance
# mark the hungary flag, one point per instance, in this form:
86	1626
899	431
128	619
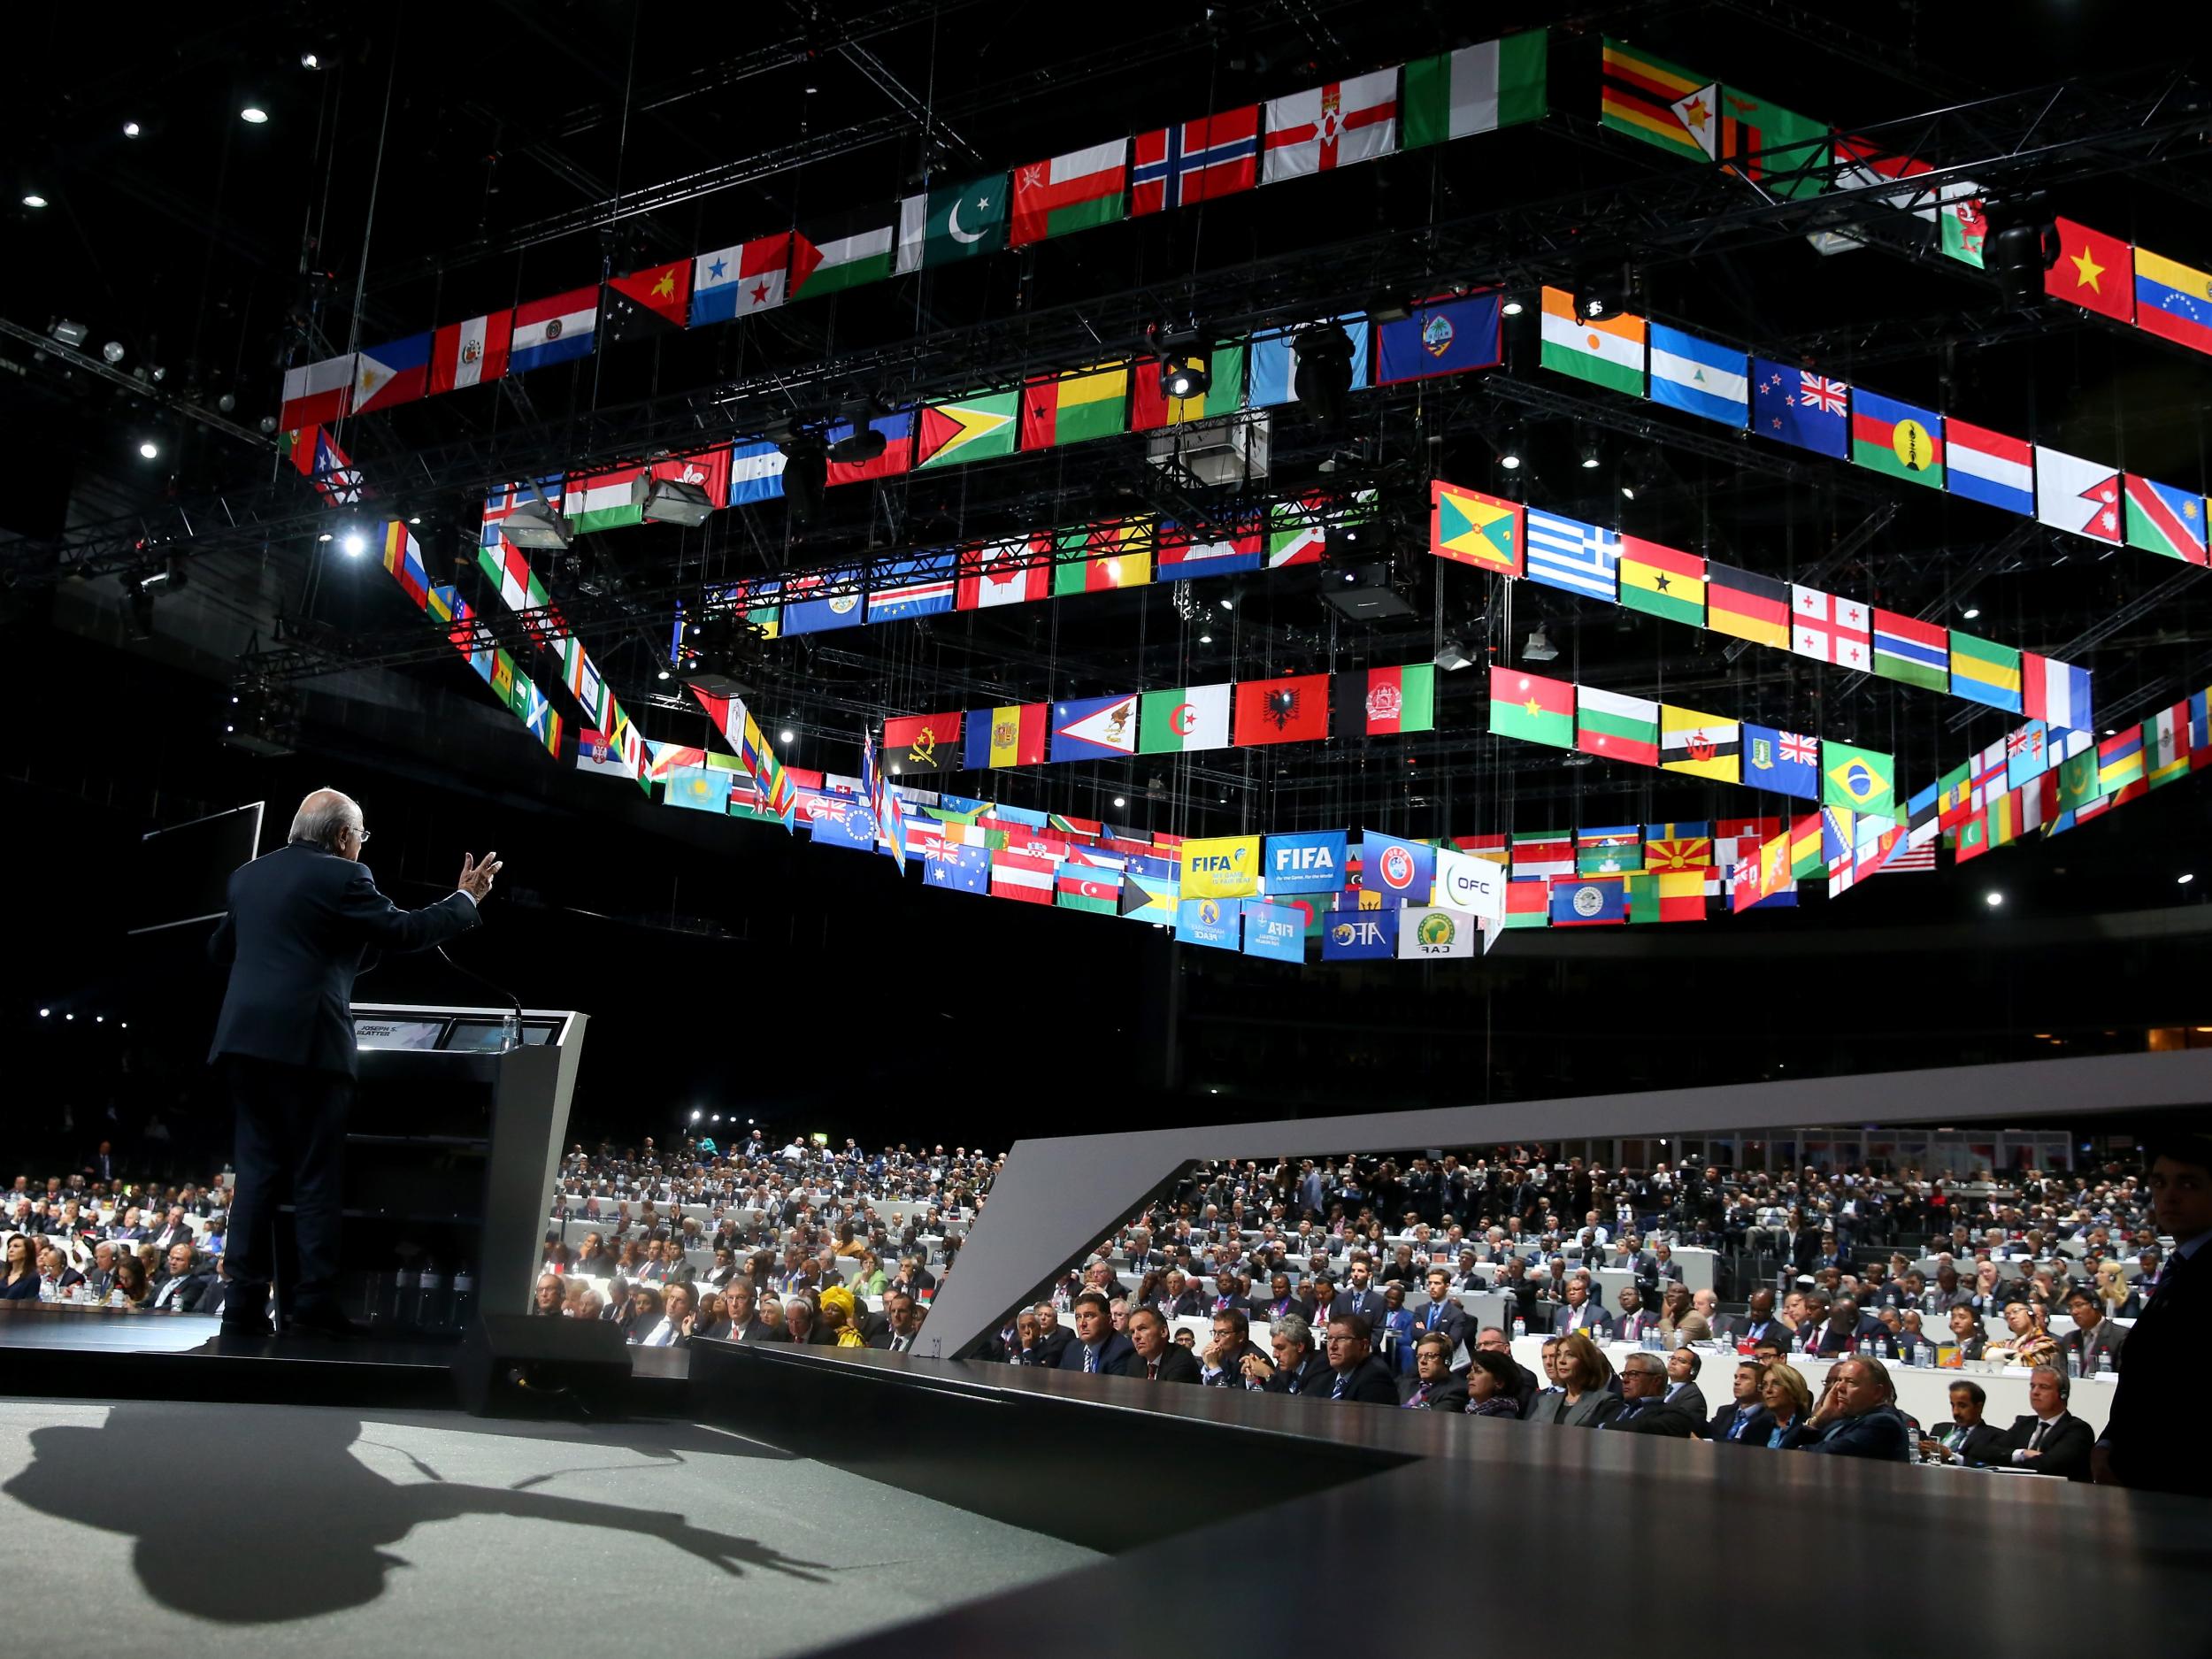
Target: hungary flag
1070	192
957	222
1532	708
604	500
973	429
846	252
1184	720
1091	403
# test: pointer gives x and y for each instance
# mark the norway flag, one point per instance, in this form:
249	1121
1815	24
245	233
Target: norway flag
1196	161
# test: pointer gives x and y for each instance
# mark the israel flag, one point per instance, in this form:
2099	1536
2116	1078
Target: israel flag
1583	559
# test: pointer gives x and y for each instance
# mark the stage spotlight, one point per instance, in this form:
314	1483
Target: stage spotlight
2021	243
354	544
1971	613
131	129
68	332
1592	451
149	449
34	199
805	477
1205	636
1185	374
1509	450
1455	653
254	115
2185	879
1512	307
1992	899
662	673
1539	648
860	446
113	352
535	527
1323	379
1122	799
45	1013
670	501
785	737
308	60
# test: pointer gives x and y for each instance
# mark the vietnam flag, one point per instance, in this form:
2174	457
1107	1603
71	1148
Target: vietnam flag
1292	711
2094	270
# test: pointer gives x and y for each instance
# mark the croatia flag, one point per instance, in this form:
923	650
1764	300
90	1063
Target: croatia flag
1332	126
470	353
1195	161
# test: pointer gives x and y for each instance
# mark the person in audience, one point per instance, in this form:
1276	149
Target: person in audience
1393	1328
1281	1302
672	1329
646	1311
1493	1383
1221	1363
712	1318
1580	1314
748	1320
844	1321
801	1324
1635	1319
2050	1440
1966	1333
21	1277
1788	1400
1683	1365
1177	1299
902	1323
549	1300
1432	1387
1360	1294
2094	1339
1523	1382
57	1277
1442	1317
1320	1300
1297	1367
595	1260
130	1279
1052	1335
2117	1297
1358	1375
1968	1440
1761	1321
1674	1305
1857	1416
99	1279
1097	1349
1644	1408
588	1304
1153	1356
1744	1419
2025	1341
1585	1399
183	1284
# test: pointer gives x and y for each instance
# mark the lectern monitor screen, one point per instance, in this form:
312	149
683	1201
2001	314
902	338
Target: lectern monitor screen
398	1034
476	1036
183	874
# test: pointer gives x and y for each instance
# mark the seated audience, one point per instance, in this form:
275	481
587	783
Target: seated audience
1857	1416
1584	1397
1432	1387
1492	1384
1744	1419
1153	1357
2050	1440
1644	1406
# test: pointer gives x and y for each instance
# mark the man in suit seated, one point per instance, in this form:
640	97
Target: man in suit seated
1968	1439
2093	1336
1580	1313
1526	1383
2051	1440
1433	1387
1297	1367
1635	1319
1743	1419
1359	1375
1053	1338
1645	1408
1221	1364
1232	1293
1177	1300
902	1323
99	1279
1857	1417
745	1325
1098	1347
1442	1317
1152	1357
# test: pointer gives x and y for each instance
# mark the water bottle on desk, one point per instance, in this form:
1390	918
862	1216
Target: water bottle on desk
1520	1327
463	1296
430	1304
2104	1362
509	1031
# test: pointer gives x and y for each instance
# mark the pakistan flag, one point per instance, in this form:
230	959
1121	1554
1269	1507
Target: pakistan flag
953	222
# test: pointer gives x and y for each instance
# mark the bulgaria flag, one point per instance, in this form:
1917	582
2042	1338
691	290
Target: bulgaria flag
1183	720
1070	192
1608	354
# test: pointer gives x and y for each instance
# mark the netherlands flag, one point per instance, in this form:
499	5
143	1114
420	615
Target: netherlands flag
1991	468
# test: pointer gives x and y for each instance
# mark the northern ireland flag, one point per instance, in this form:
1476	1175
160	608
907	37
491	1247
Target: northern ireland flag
1332	126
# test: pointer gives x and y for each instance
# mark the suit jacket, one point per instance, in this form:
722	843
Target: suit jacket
1178	1363
1596	1321
1447	1317
2159	1381
1232	1374
880	1337
756	1330
1665	1418
1880	1434
1370	1305
1592	1410
1371	1383
2065	1447
2106	1338
1187	1306
1052	1346
1755	1428
1115	1349
1450	1395
299	921
1310	1376
1984	1443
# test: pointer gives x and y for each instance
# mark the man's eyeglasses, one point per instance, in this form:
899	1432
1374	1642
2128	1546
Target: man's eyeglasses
360	835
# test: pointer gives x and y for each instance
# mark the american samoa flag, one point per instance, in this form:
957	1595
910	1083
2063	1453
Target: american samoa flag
1195	161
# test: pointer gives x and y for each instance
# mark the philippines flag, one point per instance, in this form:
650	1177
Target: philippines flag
1332	126
395	372
470	353
1195	161
554	330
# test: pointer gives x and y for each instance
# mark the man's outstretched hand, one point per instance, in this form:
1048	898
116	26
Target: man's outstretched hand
476	878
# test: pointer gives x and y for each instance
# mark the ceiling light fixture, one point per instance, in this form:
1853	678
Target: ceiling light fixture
355	544
1539	648
1509	451
1512	307
149	449
1992	900
1971	613
254	115
34	199
785	737
131	129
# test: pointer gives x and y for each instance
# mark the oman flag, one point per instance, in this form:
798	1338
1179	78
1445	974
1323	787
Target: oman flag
1070	192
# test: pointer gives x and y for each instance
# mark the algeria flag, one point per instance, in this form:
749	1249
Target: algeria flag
1184	720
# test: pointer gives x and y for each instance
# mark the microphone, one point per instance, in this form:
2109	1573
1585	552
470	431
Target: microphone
514	1021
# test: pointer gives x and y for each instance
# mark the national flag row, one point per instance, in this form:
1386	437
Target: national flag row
2130	284
1793	404
1477	89
1509	539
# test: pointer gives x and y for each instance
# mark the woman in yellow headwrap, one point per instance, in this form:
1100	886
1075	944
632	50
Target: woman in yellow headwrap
839	1315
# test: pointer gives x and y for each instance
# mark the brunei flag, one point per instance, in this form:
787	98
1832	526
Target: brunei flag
1470	528
1700	745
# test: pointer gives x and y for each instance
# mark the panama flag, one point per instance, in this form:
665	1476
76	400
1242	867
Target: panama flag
1009	572
753	276
470	353
2163	519
1331	127
317	393
1829	629
2072	494
553	330
1991	468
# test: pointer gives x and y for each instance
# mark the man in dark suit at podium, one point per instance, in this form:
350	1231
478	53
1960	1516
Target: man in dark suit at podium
299	921
2146	1443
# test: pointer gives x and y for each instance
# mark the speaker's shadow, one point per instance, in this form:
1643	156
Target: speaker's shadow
281	1521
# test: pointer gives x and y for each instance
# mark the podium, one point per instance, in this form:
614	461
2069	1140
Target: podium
454	1143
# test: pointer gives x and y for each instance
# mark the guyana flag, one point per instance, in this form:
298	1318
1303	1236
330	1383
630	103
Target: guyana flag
973	429
1068	409
1470	528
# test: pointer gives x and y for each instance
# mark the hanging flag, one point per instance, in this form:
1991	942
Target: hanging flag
1076	191
1678	847
2173	301
642	302
1397	871
1798	406
1911	652
604	500
1083	887
1427	934
1901	440
555	329
922	743
814	602
1700	744
316	394
1863	165
1609	353
1104	559
1195	161
1095	728
1293	710
699	789
1271	362
1330	127
1386	702
1183	720
1010	736
1150	407
1864	780
972	429
2055	692
1663	581
1614	727
1566	553
403	558
751	276
1808	846
1986	672
2072	494
1532	708
1209	922
1314	862
898	450
919	586
1749	607
1989	467
1698	377
395	372
1608	850
1589	901
1470	528
2094	271
1181	557
1644	96
1012	571
1829	629
1539	854
2166	746
1277	931
755	472
1673	896
1220	867
956	221
1298	531
1788	763
2119	761
884	807
1017	876
1148	895
1475	89
832	255
2027	754
2163	519
958	868
1070	408
1443	336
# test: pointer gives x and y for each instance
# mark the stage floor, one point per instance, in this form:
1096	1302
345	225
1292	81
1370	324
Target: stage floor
189	1528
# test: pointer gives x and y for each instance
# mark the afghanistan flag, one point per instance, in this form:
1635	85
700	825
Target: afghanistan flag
1386	702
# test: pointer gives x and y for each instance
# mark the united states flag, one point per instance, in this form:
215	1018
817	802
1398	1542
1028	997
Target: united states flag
1195	161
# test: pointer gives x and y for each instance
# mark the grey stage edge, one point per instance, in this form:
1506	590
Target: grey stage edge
1189	1487
1056	1198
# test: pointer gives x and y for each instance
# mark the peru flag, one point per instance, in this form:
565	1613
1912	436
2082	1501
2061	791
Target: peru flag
470	353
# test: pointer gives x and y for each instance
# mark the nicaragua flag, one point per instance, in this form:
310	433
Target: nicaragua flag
1699	377
1583	559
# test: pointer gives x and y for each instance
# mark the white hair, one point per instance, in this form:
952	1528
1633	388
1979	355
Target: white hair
322	816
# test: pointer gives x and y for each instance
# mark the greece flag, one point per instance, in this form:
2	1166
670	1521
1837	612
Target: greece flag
1583	559
1698	376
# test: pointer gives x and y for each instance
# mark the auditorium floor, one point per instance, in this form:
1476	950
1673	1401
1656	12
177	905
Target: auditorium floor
189	1528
